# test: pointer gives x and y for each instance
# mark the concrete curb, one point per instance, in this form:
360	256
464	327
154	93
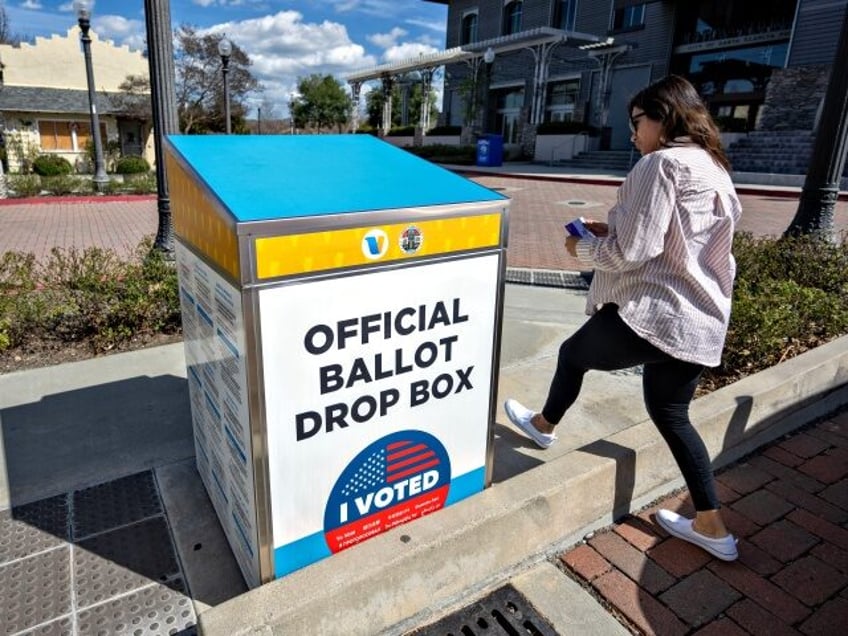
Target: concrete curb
416	573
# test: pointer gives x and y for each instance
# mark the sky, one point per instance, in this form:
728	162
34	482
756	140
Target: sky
284	40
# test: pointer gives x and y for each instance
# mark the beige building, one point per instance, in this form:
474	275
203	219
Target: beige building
44	106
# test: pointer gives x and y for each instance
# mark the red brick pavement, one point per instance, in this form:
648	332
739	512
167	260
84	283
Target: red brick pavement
787	504
37	226
537	212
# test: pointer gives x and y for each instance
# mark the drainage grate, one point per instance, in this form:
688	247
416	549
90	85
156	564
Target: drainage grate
120	561
504	611
579	203
115	503
548	278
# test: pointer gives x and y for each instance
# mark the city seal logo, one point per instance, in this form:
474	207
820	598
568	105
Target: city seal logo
411	239
396	479
375	244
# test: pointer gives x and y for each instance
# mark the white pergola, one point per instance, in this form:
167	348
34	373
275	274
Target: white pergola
541	42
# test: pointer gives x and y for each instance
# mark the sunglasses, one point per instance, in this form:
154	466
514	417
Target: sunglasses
634	122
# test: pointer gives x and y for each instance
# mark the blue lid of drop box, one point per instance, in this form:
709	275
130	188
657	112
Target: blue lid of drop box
266	177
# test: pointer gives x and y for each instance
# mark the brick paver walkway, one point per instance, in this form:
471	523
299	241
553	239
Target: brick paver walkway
788	506
537	212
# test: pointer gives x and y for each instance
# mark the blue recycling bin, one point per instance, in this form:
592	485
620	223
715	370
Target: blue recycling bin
490	150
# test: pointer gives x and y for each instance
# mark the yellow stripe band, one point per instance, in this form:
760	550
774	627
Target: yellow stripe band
374	245
197	221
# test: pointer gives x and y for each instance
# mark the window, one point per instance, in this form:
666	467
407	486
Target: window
628	17
566	14
468	33
562	97
509	103
512	17
67	136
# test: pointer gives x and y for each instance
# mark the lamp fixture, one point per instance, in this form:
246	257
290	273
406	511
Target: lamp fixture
83	9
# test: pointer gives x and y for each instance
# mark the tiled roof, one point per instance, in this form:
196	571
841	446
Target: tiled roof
34	99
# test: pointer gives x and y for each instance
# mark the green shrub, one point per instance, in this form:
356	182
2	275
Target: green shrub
112	186
444	130
442	153
51	165
23	185
87	296
366	129
565	128
140	183
791	295
63	184
131	164
401	131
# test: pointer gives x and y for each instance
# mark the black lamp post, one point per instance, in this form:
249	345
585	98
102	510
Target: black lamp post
488	60
225	49
830	148
160	57
83	10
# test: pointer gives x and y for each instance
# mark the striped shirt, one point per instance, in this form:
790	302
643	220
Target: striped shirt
667	260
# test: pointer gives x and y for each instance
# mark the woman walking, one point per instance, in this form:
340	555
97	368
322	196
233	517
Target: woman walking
660	296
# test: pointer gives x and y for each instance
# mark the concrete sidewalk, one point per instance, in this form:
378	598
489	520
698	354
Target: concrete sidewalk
62	440
112	532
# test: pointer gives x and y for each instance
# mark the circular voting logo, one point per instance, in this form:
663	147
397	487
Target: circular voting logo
411	239
396	479
375	244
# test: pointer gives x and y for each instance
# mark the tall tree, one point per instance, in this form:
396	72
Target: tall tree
134	99
200	82
6	35
375	99
322	104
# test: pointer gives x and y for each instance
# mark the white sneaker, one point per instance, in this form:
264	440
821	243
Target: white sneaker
681	527
522	418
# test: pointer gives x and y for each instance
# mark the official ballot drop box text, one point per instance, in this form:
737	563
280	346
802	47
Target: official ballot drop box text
341	303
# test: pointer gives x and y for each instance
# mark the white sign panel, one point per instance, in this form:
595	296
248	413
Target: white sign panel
213	331
377	390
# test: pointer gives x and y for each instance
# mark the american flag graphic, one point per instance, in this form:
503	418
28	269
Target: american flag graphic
395	461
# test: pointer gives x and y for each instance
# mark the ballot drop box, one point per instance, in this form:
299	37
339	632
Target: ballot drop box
341	302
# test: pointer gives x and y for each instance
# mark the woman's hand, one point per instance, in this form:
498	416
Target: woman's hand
598	228
571	245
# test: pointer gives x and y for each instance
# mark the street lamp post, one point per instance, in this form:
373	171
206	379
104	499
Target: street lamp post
160	57
489	60
225	49
83	10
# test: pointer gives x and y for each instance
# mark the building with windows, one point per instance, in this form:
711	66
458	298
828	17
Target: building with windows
44	104
759	66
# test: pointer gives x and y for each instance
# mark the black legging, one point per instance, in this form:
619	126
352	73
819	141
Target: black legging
606	343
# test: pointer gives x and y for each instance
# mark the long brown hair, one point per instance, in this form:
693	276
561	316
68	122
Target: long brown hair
675	103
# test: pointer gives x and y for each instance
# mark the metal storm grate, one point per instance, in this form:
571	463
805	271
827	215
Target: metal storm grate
504	611
547	278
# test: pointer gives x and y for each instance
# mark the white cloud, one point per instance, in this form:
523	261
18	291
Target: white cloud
380	8
387	40
284	48
407	51
31	4
436	25
121	31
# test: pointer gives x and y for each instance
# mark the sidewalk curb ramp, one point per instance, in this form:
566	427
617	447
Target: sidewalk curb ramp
417	573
